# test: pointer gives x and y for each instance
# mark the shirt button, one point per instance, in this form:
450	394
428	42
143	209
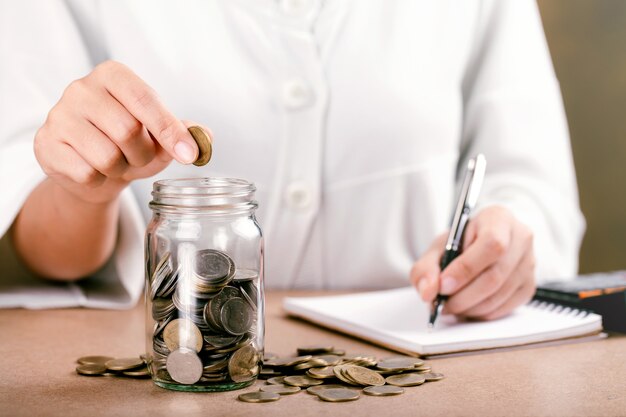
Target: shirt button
296	8
299	195
297	94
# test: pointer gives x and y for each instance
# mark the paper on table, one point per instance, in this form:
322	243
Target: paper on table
398	318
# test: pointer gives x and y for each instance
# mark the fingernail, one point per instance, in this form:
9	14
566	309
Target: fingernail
422	285
184	152
448	285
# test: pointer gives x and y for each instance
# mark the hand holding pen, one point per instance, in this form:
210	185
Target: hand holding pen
494	273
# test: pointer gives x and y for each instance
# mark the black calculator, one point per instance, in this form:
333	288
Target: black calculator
603	293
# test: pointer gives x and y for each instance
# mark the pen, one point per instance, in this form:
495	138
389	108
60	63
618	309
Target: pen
470	189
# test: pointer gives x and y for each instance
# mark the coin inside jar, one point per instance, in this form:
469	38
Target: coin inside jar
182	333
243	364
205	148
184	366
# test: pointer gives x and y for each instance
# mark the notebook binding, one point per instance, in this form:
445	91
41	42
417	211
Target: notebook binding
559	309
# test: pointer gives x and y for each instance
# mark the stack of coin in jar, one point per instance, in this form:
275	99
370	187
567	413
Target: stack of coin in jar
205	320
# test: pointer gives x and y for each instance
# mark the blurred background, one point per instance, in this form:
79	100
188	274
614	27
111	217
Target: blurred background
587	41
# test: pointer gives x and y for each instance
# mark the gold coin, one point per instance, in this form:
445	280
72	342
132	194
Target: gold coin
336	395
342	375
288	361
204	145
315	349
433	376
399	363
364	376
406	380
258	397
137	373
383	391
321	373
243	364
182	333
317	388
301	381
281	389
93	360
91	369
312	363
327	360
123	364
277	380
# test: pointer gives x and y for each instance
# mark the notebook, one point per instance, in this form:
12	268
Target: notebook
397	319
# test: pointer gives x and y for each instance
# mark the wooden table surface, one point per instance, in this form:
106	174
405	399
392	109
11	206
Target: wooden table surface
38	351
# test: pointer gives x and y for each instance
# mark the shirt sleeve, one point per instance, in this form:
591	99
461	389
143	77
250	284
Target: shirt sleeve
35	67
514	115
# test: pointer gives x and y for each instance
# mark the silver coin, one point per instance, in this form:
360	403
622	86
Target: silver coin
236	316
184	366
213	265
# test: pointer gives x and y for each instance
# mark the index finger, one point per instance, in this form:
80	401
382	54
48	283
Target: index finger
486	249
146	106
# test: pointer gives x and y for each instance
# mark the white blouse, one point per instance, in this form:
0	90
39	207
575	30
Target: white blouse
351	117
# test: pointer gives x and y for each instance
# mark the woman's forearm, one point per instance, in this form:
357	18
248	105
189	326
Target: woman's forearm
62	237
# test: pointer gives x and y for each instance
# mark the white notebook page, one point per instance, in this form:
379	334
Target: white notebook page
399	318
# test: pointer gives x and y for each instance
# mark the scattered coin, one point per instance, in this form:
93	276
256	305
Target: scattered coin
406	380
258	397
399	363
184	366
277	380
317	388
336	395
301	381
281	389
123	364
383	390
314	349
137	373
204	145
340	373
364	376
321	373
433	376
91	369
288	361
93	360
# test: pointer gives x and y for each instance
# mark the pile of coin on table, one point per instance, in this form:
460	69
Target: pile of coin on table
334	376
205	320
109	366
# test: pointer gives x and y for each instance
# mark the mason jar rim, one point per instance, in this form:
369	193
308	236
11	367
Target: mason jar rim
203	186
210	195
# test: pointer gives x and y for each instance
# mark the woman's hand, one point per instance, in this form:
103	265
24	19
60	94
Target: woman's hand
108	129
494	274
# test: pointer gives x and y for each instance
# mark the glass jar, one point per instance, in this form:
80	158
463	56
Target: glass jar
204	285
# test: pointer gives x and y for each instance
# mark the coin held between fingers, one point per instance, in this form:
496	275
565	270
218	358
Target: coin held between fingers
205	148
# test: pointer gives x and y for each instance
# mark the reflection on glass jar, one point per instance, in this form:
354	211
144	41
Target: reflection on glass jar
204	285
